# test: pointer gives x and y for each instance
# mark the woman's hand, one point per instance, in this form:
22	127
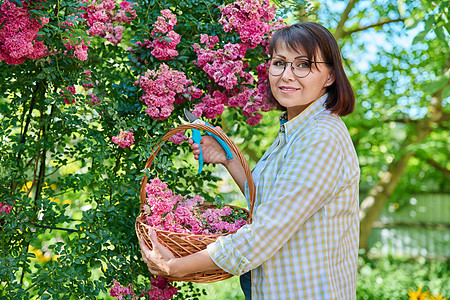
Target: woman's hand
212	151
158	259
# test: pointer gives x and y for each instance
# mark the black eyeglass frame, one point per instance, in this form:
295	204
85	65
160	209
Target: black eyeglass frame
292	67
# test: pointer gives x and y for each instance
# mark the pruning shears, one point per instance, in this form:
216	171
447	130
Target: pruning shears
197	137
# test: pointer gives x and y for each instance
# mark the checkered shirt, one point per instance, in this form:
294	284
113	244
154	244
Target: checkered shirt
303	241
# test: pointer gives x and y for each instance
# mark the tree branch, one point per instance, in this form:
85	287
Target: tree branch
24	128
339	32
381	22
437	166
55	228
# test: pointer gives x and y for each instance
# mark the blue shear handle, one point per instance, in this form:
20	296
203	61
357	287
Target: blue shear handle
197	137
221	142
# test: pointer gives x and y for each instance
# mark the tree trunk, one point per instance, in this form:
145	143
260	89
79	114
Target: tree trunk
378	195
372	205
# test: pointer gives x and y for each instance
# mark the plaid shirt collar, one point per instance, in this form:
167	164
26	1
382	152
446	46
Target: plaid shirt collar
288	127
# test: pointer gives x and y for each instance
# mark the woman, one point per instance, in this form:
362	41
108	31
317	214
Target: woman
303	242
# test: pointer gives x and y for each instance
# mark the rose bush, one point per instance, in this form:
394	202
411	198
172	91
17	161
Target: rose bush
88	89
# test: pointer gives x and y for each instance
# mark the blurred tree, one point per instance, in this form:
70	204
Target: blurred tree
400	126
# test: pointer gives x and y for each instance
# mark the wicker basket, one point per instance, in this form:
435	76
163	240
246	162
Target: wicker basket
185	244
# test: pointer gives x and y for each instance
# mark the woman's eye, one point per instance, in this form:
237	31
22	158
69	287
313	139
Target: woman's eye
279	63
302	64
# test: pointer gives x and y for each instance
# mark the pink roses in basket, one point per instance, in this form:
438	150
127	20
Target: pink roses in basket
168	211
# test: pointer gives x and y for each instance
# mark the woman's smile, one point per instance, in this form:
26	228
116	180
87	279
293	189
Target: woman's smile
288	89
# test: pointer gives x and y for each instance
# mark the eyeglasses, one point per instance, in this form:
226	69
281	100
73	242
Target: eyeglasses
301	67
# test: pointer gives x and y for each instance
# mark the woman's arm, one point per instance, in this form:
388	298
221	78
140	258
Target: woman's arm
160	261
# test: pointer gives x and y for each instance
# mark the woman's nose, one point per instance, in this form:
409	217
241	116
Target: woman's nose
288	73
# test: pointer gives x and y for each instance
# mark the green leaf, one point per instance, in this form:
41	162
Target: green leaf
429	23
440	33
420	36
401	7
35	12
446	92
19	2
436	85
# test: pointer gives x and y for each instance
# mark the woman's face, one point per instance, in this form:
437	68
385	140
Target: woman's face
295	93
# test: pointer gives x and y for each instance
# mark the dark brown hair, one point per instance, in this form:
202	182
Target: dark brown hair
311	38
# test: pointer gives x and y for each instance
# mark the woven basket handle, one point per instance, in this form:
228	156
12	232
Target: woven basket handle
225	138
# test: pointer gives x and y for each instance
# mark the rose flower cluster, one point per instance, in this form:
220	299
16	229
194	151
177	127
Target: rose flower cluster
168	211
18	32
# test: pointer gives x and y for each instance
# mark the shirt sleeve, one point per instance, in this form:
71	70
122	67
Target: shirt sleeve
303	183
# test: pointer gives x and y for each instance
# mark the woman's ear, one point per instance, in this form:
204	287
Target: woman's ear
331	78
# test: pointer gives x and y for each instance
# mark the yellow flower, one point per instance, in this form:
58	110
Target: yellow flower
51	186
41	256
26	186
57	201
419	295
438	297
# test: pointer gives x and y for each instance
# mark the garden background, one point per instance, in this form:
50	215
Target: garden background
88	88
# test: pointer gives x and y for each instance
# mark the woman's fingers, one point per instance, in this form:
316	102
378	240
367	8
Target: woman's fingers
146	252
160	252
153	238
211	150
195	148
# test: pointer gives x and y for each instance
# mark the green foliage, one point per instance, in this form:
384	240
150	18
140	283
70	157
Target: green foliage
395	81
392	278
74	193
229	289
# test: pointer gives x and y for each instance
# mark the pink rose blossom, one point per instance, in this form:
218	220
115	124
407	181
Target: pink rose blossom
161	87
106	20
161	289
165	22
92	99
67	94
18	33
249	18
165	39
255	119
119	291
124	139
178	138
5	207
225	66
